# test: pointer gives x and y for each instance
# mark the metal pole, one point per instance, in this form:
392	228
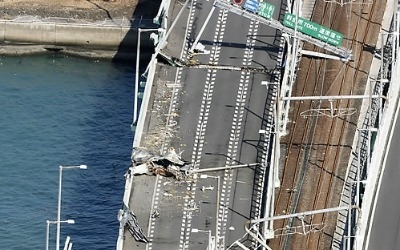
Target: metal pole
255	236
293	57
59	201
135	103
358	177
209	241
48	229
285	84
349	229
334	97
394	42
67	243
320	211
164	38
47	234
369	126
59	210
240	245
202	28
218	207
381	77
193	171
269	199
278	136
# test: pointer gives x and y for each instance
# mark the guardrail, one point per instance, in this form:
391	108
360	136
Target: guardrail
378	157
359	170
151	69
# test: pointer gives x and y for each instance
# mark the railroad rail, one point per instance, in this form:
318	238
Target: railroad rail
317	146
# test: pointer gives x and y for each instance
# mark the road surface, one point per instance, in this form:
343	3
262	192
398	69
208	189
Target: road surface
220	115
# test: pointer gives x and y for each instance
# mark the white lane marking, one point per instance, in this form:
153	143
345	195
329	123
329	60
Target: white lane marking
236	130
175	91
202	122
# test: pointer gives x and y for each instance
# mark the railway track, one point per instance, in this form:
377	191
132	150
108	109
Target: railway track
318	148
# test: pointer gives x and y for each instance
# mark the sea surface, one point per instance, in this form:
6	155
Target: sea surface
59	110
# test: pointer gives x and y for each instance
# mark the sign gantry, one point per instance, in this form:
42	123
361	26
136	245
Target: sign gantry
253	12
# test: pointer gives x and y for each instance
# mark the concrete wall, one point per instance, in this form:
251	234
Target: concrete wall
70	34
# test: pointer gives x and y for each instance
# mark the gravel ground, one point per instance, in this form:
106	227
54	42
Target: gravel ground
80	11
89	10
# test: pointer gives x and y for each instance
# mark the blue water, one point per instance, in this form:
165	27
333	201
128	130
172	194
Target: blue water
58	110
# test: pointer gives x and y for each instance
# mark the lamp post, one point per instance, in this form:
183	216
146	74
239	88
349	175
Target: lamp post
59	201
54	222
135	102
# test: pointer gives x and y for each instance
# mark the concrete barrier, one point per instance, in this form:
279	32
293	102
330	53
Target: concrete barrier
2	31
30	32
66	34
142	115
89	35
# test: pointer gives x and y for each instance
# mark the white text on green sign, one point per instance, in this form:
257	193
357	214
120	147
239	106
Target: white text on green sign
313	29
266	10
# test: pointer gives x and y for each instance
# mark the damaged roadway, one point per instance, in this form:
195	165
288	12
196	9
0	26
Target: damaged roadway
149	141
151	163
211	118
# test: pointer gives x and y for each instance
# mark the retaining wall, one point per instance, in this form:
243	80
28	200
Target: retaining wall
67	34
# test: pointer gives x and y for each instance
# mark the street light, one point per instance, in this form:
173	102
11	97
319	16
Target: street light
59	201
135	102
54	222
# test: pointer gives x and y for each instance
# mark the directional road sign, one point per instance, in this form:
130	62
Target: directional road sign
266	10
252	5
342	52
313	29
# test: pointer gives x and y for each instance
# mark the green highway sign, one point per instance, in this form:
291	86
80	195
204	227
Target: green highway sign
266	10
313	29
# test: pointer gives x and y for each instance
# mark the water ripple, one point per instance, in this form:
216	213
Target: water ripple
69	111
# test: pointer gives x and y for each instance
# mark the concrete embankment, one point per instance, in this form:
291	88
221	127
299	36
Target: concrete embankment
91	40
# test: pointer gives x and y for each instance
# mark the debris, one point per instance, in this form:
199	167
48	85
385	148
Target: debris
141	155
170	164
128	219
200	48
140	169
155	214
173	157
167	194
203	188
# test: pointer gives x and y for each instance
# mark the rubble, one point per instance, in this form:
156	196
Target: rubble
129	220
150	163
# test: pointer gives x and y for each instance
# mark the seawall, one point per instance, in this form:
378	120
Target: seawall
104	39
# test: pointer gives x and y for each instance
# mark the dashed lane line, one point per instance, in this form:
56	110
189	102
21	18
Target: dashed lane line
202	125
236	131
